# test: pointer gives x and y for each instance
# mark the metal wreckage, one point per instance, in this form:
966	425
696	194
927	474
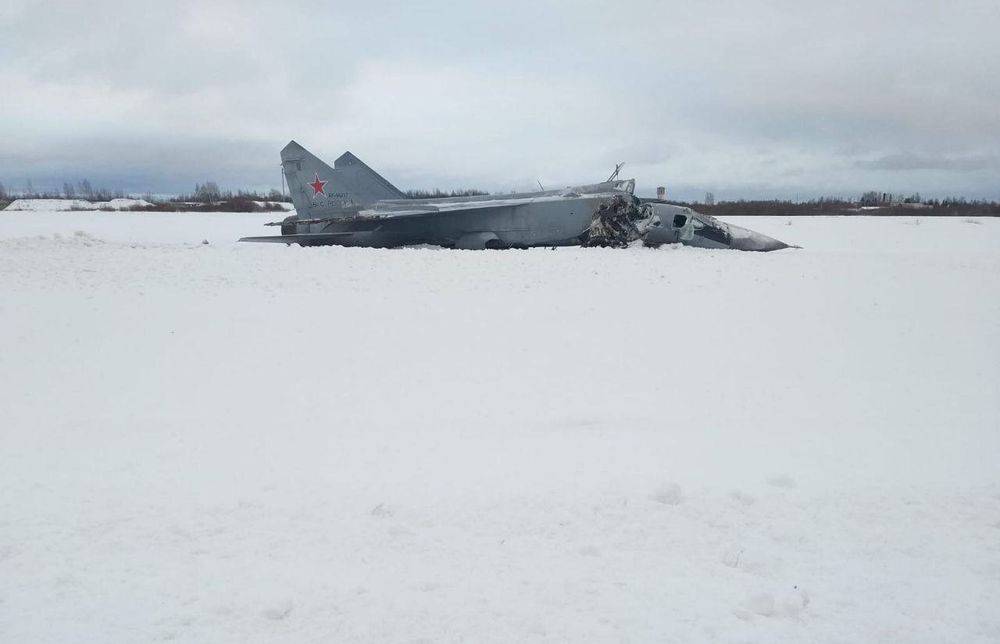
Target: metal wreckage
352	205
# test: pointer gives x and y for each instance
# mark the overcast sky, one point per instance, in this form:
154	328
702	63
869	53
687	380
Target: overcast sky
747	99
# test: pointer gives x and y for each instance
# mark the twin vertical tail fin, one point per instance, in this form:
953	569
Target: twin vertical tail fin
319	191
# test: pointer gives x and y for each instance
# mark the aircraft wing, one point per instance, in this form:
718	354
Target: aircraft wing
400	208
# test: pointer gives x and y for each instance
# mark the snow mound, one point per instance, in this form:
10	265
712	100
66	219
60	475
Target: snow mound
669	494
77	238
75	204
282	205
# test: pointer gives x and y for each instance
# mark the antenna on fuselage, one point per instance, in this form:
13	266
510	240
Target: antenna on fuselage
614	175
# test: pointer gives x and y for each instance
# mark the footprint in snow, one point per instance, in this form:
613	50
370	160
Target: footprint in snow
278	613
783	481
788	604
381	510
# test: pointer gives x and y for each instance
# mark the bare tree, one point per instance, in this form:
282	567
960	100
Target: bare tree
68	190
3	191
870	198
207	192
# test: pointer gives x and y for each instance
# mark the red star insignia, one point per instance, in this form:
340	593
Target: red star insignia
318	186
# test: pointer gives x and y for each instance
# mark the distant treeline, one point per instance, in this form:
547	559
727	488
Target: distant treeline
82	190
949	207
209	192
229	204
207	197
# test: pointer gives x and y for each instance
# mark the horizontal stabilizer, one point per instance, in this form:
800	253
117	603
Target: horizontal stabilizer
315	239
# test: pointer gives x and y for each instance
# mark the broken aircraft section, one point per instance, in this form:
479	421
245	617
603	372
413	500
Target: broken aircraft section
619	222
682	225
352	205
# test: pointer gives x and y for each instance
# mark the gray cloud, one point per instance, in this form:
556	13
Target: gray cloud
750	98
909	161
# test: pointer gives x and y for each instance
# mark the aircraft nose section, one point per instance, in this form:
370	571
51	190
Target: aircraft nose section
745	239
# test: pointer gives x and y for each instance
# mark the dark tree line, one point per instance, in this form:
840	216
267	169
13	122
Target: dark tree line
950	206
209	192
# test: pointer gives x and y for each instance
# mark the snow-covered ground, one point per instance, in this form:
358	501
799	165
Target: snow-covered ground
223	442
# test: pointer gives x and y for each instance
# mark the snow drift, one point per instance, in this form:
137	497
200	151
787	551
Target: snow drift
49	205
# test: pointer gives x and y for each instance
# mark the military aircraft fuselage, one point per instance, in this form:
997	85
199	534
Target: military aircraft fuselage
524	222
350	204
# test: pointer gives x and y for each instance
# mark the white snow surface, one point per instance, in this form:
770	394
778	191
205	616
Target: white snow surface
48	205
235	442
281	204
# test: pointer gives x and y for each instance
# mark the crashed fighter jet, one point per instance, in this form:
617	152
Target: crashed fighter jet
352	205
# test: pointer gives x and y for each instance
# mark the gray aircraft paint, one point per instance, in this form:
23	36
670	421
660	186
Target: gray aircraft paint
352	205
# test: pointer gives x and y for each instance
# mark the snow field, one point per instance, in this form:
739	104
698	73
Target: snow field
223	442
